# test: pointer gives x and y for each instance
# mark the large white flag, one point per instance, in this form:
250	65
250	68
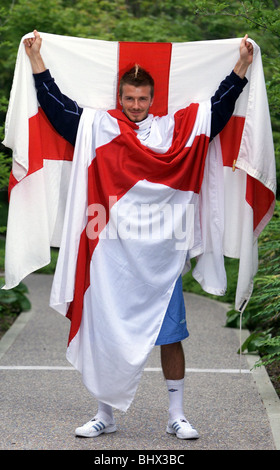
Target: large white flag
242	200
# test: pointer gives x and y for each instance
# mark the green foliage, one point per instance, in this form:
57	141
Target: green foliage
270	350
12	303
14	299
5	159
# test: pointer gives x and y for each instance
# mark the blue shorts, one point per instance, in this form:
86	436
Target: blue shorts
174	326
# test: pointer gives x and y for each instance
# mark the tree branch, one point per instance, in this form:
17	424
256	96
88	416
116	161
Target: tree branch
240	15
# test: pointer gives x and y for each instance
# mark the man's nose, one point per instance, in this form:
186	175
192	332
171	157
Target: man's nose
136	103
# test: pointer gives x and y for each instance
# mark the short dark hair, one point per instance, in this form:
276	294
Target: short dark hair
137	76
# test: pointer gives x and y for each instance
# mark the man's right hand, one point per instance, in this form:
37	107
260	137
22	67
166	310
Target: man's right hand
32	48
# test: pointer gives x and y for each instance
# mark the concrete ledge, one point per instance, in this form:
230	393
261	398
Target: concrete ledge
9	337
267	392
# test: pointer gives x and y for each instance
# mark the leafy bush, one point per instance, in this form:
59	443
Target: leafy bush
12	303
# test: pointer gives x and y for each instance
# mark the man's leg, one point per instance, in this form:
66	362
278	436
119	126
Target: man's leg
173	361
103	422
173	366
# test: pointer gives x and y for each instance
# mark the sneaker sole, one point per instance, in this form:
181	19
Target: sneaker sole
191	435
107	430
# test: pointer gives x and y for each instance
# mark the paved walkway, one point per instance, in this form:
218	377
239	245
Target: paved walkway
43	399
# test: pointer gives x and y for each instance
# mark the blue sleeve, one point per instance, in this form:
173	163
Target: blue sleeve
62	112
223	102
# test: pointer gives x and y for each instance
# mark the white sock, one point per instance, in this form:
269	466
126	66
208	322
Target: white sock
105	412
176	398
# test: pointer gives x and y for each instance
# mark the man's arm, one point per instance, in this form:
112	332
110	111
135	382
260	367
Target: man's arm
33	50
223	101
245	57
62	112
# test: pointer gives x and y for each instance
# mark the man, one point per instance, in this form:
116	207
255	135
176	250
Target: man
136	97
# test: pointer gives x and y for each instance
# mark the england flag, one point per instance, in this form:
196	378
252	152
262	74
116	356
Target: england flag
129	212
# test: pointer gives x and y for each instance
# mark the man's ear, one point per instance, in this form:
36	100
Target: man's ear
120	99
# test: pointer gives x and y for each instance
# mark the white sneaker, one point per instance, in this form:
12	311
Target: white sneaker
94	427
182	428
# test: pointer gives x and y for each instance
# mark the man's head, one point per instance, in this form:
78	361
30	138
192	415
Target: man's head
136	92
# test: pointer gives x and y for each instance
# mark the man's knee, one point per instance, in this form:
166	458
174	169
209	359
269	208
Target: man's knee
172	346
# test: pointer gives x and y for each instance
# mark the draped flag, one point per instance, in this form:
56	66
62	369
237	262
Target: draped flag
110	282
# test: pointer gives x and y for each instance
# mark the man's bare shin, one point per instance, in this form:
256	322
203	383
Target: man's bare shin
173	361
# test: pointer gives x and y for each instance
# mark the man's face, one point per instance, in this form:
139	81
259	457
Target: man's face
136	102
